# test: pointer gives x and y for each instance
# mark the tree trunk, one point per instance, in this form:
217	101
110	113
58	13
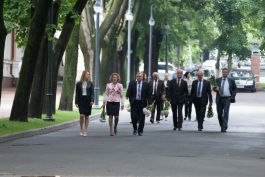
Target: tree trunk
108	55
134	59
38	86
109	61
85	49
61	44
217	65
70	68
38	91
3	34
86	39
146	55
19	110
206	54
157	39
229	61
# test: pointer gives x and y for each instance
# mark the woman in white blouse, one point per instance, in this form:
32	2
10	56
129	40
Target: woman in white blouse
113	100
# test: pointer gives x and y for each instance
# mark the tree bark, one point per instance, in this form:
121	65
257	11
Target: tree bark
229	61
19	110
38	86
157	39
109	61
86	39
38	91
217	65
134	61
110	18
70	68
3	33
61	44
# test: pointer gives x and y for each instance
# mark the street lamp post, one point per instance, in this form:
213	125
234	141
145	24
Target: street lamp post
151	23
98	9
167	28
50	70
129	18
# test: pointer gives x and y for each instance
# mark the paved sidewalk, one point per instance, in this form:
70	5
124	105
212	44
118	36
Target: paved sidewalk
7	99
8	95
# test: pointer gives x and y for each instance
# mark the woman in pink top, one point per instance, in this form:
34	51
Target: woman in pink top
112	99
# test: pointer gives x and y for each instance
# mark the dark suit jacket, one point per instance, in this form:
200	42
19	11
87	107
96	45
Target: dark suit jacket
159	91
232	88
177	95
89	90
132	91
206	91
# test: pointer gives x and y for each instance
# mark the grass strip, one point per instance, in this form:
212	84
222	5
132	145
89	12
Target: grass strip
11	127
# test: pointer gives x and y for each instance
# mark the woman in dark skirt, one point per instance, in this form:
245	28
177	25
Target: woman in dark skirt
112	99
84	99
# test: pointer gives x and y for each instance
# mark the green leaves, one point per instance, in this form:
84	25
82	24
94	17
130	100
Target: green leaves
17	16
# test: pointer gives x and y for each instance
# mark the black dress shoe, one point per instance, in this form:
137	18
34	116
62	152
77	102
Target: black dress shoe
134	132
140	134
200	129
152	121
174	129
223	131
179	129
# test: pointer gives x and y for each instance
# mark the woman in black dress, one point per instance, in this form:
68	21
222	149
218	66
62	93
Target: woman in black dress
84	99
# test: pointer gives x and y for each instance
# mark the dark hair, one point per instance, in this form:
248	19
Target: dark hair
225	69
186	74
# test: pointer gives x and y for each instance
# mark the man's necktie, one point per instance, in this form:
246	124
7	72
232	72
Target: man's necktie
199	89
178	83
223	86
139	90
155	89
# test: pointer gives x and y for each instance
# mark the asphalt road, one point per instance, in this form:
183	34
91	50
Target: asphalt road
159	152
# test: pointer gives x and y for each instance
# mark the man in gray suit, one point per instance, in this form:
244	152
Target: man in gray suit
224	96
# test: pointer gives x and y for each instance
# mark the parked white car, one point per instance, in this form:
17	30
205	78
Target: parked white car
161	69
244	79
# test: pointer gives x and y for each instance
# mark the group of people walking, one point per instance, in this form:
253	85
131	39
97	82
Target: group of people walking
180	91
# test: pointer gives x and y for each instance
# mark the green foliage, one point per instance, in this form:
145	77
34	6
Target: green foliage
233	37
17	16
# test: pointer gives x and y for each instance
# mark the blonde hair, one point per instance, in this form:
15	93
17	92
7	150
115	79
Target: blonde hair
114	74
83	76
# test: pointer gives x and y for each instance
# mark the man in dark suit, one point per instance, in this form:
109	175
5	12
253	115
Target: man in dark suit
178	90
137	93
201	93
224	96
156	94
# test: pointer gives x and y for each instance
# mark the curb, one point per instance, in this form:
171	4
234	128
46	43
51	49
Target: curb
40	131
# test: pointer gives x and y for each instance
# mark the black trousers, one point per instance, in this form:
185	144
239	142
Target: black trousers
157	107
223	112
137	115
188	107
177	115
200	109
